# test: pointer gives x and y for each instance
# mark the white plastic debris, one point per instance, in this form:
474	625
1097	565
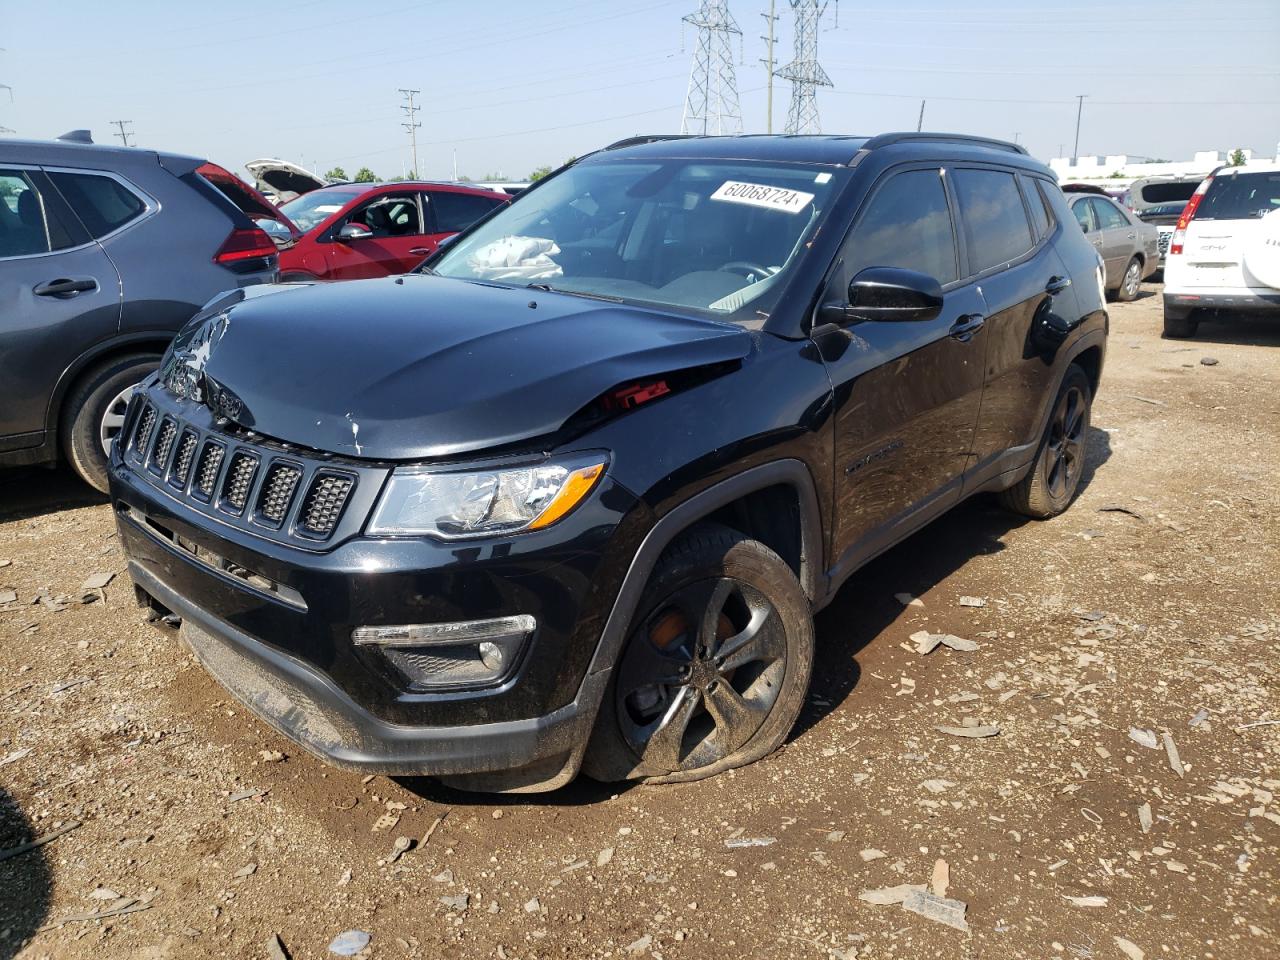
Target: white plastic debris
1093	901
887	895
349	943
972	602
737	842
1144	738
937	909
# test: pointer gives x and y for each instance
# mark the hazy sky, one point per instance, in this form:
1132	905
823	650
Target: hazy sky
514	85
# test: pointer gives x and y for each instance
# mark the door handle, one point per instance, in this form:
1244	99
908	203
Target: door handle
66	288
1132	236
420	251
1057	285
966	326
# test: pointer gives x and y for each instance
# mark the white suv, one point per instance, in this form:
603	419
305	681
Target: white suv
1225	250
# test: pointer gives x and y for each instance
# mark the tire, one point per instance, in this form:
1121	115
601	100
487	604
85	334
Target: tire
1180	326
93	413
715	711
1130	281
1051	484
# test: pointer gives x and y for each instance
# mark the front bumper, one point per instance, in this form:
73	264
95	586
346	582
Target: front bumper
273	623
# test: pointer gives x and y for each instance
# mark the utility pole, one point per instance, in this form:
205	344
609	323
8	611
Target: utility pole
412	125
804	72
771	22
920	121
1075	150
124	134
712	103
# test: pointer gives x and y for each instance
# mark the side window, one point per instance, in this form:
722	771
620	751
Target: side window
1108	216
995	223
908	225
395	215
29	223
455	212
102	203
1035	203
1084	215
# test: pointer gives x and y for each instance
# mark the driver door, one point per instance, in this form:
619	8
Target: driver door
395	221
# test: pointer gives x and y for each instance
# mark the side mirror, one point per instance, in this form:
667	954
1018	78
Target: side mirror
889	294
354	231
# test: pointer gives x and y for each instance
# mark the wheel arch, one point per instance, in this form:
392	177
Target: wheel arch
151	341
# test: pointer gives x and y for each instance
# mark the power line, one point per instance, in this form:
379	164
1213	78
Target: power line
770	65
804	72
412	125
124	134
712	103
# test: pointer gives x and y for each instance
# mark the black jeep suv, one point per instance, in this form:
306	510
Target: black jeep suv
568	497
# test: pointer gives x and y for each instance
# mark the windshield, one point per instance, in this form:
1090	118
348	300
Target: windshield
1240	196
719	236
314	208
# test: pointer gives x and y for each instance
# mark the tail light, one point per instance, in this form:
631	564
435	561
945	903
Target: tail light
245	244
1188	213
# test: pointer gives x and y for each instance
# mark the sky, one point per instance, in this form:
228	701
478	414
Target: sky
507	87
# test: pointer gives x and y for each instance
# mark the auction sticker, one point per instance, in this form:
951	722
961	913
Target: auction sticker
762	195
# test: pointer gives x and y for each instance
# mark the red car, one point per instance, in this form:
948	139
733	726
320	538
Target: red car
355	230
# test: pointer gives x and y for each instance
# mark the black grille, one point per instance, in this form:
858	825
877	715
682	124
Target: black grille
207	471
146	423
183	459
235	489
277	492
323	505
164	444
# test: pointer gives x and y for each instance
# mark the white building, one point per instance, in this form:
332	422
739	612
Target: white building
1120	170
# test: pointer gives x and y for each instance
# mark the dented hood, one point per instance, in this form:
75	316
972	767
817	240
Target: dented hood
421	366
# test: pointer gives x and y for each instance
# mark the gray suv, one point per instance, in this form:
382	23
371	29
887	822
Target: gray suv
104	253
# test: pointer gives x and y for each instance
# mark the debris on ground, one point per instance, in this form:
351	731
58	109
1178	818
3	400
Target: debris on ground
276	949
1090	901
1171	750
908	600
349	943
977	731
735	842
973	602
402	846
1144	738
938	909
888	895
940	879
38	841
1209	361
1129	948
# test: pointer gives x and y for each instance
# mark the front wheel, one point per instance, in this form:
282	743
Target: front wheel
1050	486
716	667
1131	282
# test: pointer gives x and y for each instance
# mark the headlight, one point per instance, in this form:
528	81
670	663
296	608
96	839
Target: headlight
475	503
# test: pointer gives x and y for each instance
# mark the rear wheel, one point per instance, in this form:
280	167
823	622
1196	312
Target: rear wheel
715	671
1180	325
1131	282
93	414
1050	486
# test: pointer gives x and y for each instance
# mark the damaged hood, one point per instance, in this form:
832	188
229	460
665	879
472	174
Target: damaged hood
419	366
286	180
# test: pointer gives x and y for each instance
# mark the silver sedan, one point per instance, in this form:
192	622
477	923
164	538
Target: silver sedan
1129	248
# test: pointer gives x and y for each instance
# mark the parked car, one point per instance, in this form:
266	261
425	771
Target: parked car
361	230
1129	248
105	253
1159	202
1225	250
570	496
281	181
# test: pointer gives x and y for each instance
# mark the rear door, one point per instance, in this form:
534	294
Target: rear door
396	222
450	212
59	295
907	393
1088	222
1119	238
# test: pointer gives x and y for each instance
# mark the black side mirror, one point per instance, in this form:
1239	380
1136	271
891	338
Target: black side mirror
354	231
888	294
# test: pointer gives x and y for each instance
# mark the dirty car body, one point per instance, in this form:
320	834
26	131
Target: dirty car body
300	489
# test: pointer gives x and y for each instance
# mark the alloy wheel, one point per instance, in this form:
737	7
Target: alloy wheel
1064	453
1132	279
113	418
701	675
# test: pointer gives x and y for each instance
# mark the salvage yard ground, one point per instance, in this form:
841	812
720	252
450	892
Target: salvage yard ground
1128	806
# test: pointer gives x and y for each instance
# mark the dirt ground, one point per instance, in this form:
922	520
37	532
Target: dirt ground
1151	604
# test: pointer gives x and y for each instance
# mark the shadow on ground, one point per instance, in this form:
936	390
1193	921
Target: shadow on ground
26	882
33	492
1237	329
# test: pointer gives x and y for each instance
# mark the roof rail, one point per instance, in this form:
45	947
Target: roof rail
886	139
647	138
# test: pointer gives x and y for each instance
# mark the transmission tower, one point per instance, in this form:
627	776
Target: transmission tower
712	105
804	72
124	134
411	111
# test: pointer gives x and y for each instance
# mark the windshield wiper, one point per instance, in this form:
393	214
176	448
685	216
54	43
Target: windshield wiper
548	288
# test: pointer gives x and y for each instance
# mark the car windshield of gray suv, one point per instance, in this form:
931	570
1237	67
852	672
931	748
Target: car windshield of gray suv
715	236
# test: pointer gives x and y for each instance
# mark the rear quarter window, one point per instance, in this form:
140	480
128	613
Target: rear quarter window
102	203
994	221
454	212
1240	196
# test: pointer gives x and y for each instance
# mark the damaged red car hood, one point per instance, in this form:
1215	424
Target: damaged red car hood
418	366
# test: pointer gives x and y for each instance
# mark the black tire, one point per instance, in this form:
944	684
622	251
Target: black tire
1051	484
1180	326
95	396
1130	281
718	711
